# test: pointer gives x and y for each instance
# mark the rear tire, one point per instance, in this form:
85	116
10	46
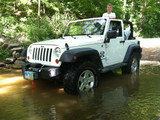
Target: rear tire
133	64
81	78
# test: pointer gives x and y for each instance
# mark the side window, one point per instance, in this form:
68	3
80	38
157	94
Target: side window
116	25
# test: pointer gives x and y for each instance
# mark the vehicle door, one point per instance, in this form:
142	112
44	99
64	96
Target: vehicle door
113	47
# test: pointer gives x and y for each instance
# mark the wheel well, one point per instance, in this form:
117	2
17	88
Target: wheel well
138	51
95	59
130	51
91	58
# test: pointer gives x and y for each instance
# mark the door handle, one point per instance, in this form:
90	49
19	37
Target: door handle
122	41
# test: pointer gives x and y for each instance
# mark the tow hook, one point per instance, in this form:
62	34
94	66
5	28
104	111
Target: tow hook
41	68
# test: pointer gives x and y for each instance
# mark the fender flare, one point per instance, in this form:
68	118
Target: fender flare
70	55
131	48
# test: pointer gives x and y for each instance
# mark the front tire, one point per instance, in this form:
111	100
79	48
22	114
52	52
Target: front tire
133	64
81	78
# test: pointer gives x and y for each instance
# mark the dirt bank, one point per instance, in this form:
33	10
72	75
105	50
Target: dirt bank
151	48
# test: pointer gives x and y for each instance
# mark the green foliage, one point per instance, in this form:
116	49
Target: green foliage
93	8
19	18
146	14
39	29
6	24
5	54
25	26
59	22
46	28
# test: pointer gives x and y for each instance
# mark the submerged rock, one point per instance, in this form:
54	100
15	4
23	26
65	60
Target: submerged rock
18	64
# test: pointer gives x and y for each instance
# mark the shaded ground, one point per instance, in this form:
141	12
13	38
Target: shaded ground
122	97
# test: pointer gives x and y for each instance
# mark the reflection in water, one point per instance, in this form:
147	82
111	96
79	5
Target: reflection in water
122	97
6	81
53	112
61	90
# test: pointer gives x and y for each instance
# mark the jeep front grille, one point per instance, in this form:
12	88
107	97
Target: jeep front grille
42	54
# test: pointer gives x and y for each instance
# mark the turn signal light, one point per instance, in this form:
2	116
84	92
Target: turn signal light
57	61
28	57
75	57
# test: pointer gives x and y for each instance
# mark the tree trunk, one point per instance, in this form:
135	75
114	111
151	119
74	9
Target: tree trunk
39	12
124	7
44	7
31	1
39	8
142	14
131	15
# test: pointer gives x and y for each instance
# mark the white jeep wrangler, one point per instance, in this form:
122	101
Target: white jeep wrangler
87	48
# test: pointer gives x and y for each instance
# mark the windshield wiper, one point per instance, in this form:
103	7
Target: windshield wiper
88	35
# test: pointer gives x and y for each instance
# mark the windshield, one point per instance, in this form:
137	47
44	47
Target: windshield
89	27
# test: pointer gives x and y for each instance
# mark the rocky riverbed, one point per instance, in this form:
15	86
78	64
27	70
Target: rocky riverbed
16	50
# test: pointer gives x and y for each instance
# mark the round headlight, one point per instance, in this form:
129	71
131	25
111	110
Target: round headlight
57	51
30	50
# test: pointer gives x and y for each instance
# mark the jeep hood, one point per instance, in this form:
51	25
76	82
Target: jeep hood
77	41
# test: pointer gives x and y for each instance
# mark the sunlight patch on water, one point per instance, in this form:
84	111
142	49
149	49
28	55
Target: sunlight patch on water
61	90
10	80
25	86
5	89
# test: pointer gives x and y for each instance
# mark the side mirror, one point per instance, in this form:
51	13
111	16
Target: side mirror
110	34
60	36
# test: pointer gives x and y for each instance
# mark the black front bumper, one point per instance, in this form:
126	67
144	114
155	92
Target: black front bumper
42	72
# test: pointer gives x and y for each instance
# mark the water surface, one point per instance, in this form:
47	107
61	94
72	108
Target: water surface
118	97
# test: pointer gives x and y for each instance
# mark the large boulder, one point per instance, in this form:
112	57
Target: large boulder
2	64
21	58
14	54
10	46
10	60
9	66
14	66
17	49
17	55
18	64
